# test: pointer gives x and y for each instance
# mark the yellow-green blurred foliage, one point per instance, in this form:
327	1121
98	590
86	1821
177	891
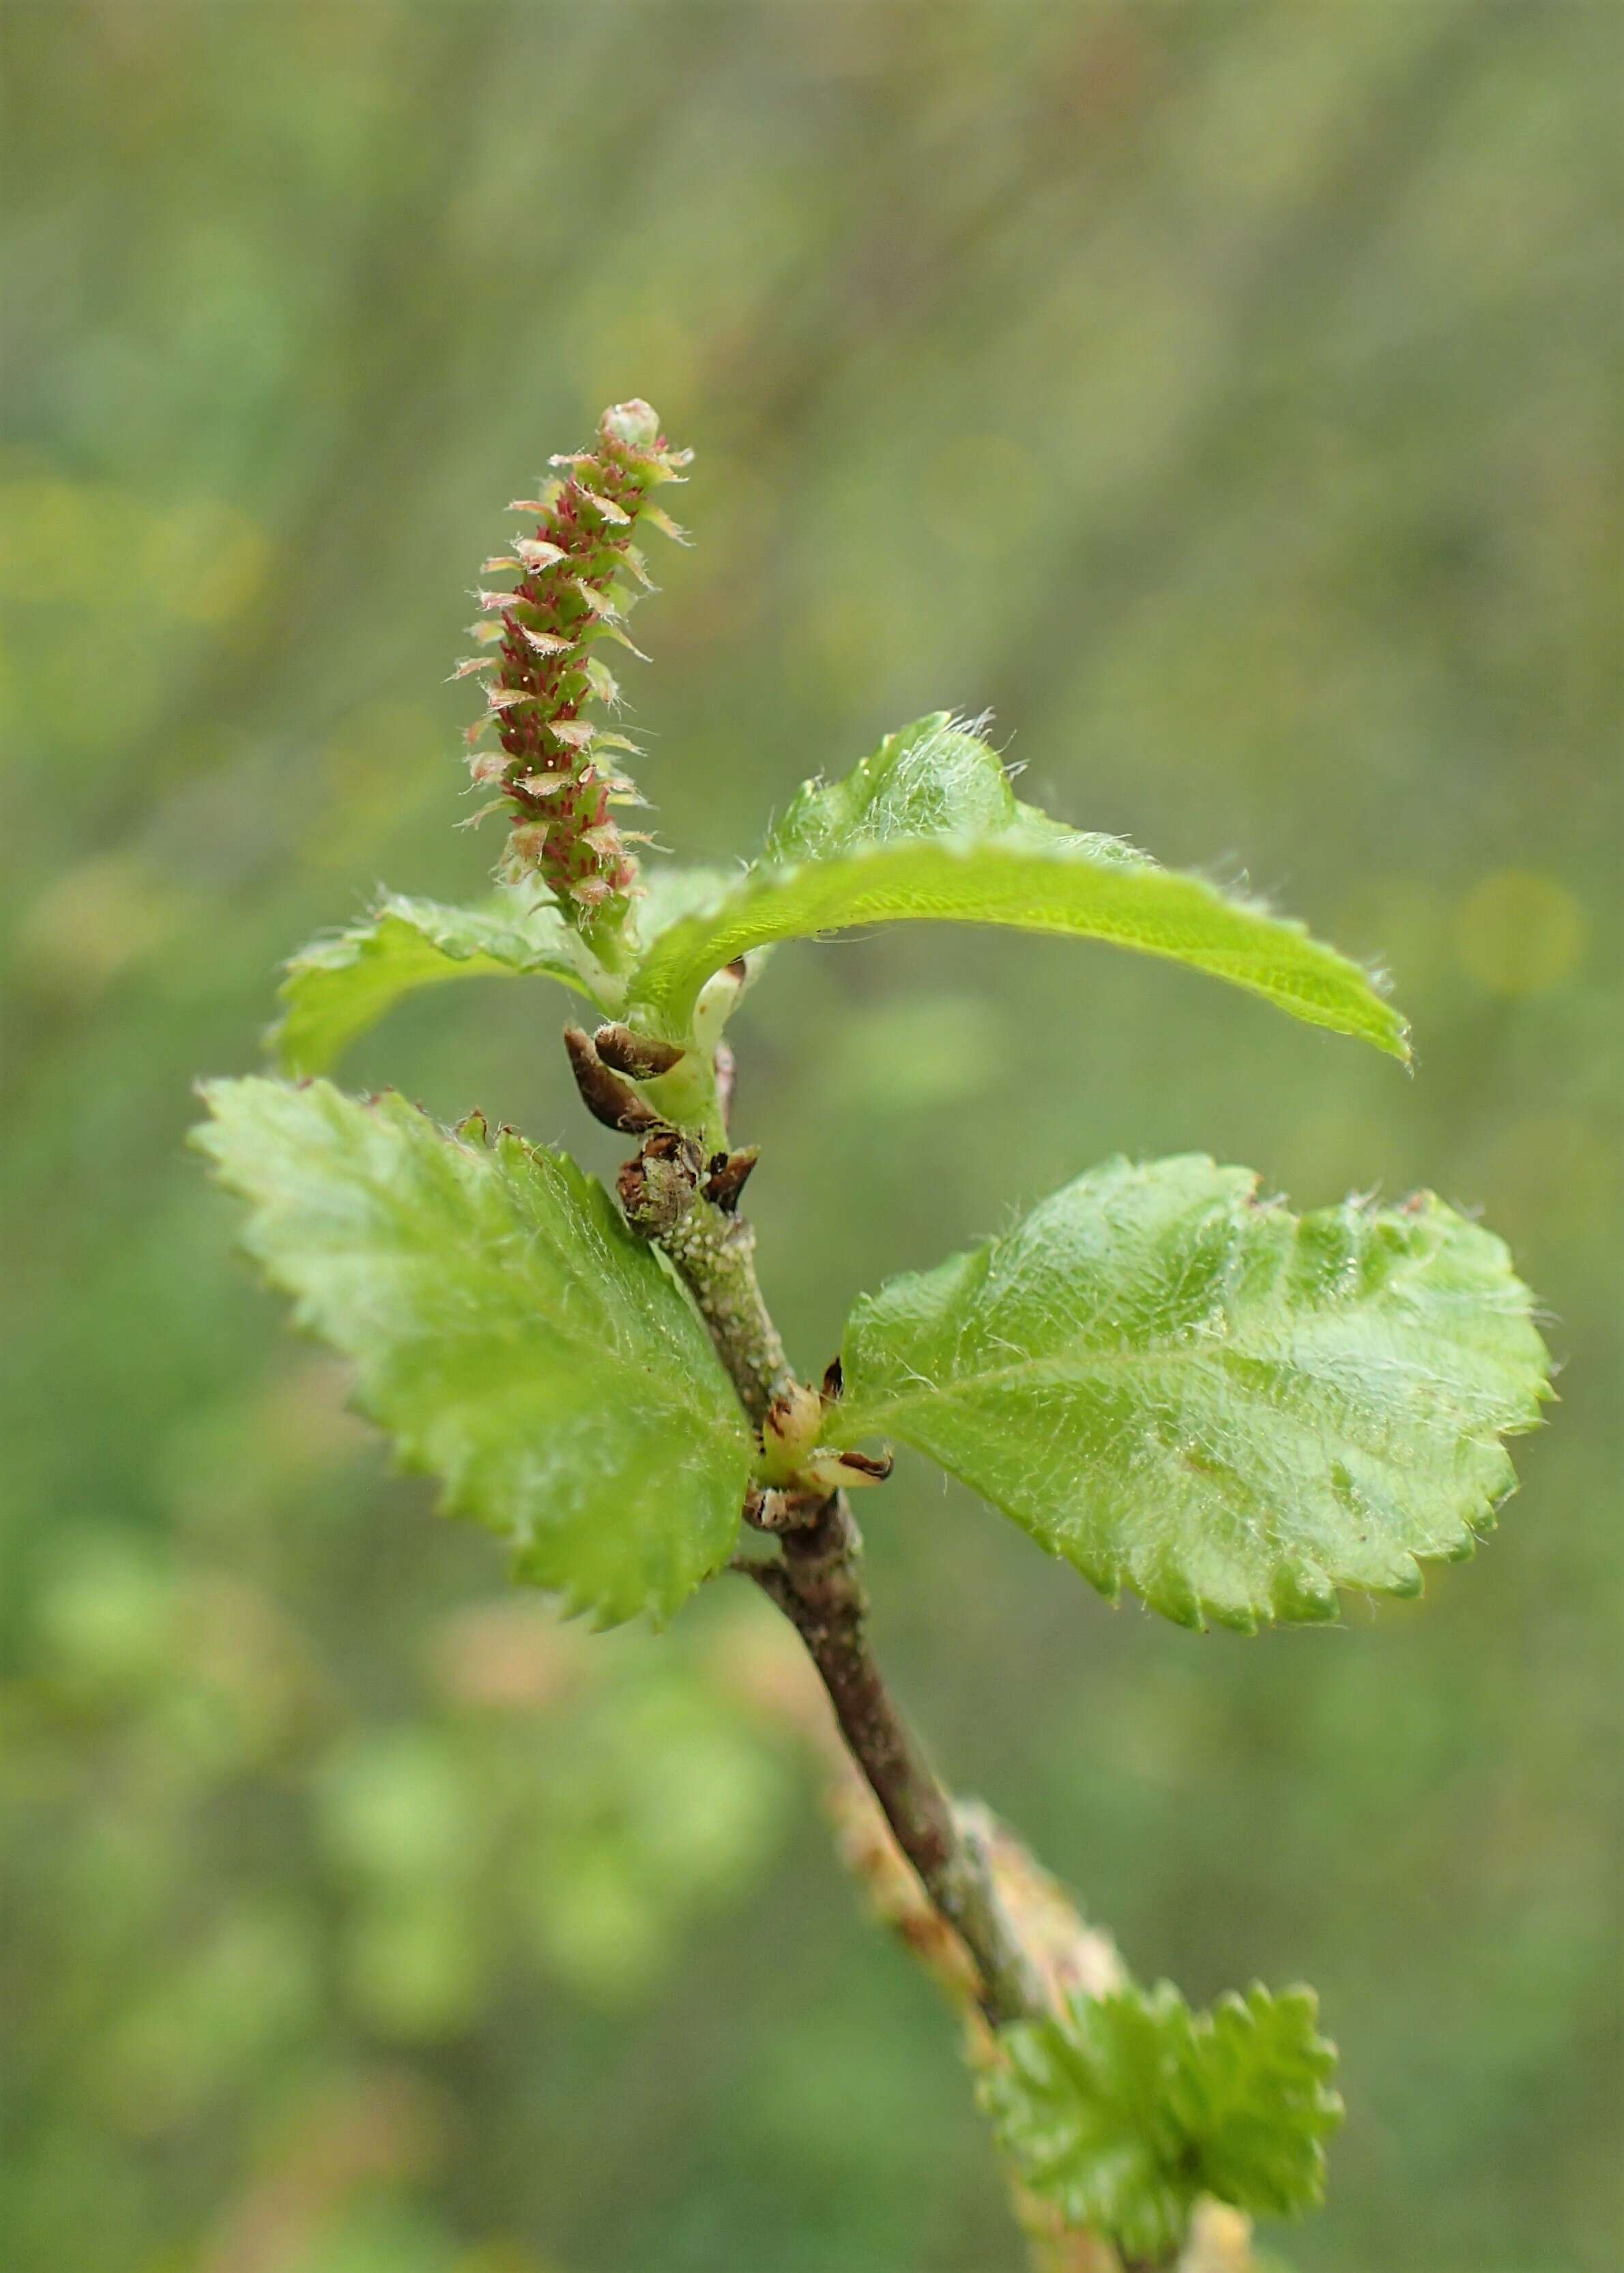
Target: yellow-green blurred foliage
1227	394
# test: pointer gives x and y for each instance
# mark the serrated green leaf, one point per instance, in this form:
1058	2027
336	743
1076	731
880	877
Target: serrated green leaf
1125	2111
1232	1411
1257	2096
506	1328
1084	2111
337	988
928	828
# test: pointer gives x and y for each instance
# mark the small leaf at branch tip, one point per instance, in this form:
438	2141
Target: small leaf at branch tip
1123	2110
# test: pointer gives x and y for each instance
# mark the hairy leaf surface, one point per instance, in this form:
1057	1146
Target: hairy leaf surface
1126	2111
929	828
337	988
1232	1411
506	1328
937	777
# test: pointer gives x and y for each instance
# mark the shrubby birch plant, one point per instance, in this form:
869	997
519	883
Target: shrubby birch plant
1164	1376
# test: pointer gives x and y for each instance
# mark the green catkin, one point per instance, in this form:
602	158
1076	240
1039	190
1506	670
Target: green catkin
578	575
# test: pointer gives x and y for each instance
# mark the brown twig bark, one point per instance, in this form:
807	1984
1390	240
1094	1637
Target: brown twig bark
817	1584
1008	1925
819	1587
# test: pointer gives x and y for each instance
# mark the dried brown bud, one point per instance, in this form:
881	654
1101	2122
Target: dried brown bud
862	1469
772	1509
657	1186
730	1173
604	1094
847	1471
642	1057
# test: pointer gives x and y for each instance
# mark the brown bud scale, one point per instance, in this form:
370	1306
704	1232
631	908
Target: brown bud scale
604	1094
730	1173
641	1057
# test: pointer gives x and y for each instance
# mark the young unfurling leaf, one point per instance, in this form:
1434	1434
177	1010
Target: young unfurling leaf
335	990
506	1328
938	777
1131	2106
1188	1391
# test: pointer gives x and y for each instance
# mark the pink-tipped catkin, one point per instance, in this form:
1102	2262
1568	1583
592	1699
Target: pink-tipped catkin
554	769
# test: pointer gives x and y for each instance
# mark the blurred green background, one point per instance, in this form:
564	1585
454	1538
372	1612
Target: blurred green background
1226	394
